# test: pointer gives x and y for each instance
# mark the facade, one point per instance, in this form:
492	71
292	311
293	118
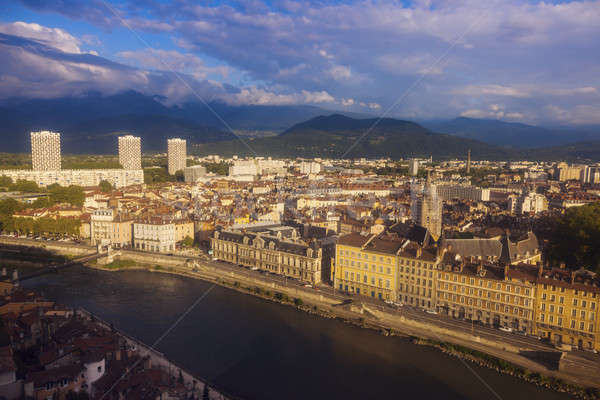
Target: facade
277	250
130	152
367	265
567	307
242	168
487	293
527	203
80	177
463	192
565	172
416	275
193	173
107	226
176	154
310	167
413	167
155	235
183	229
426	208
45	151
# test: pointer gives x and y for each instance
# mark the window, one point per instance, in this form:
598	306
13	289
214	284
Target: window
575	302
561	300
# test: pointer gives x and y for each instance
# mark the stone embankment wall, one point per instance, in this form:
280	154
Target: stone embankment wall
62	248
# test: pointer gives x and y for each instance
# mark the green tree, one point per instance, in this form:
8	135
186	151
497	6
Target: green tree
574	238
105	186
5	181
188	241
179	176
24	186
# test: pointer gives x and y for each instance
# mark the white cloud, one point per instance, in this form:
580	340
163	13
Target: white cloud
259	96
347	102
175	61
54	37
340	72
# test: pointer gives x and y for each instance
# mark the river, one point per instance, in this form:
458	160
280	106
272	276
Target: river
256	349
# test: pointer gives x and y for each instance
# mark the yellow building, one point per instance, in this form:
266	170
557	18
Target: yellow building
183	229
567	307
366	265
416	275
487	293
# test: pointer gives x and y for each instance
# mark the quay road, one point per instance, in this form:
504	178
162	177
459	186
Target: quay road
442	321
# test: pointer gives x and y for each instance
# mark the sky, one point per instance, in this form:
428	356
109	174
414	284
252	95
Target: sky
525	61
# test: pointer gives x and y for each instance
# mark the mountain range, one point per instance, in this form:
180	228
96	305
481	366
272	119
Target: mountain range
512	134
91	123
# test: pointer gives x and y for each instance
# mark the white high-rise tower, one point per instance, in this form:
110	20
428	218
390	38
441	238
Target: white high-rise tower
177	155
130	152
45	151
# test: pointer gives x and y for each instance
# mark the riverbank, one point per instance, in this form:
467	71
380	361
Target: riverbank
503	365
272	288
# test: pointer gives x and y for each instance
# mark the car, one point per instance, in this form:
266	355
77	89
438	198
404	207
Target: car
397	304
506	329
391	303
308	285
431	312
254	268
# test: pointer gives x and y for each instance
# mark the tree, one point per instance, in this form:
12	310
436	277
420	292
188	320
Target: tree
179	176
105	186
24	186
5	181
188	241
574	238
205	392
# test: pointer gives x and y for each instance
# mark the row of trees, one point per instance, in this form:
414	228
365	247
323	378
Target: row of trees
60	226
72	194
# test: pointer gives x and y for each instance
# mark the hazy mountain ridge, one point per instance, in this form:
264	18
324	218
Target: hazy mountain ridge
513	134
334	135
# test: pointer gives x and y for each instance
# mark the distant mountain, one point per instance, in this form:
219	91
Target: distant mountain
512	134
334	135
588	151
90	123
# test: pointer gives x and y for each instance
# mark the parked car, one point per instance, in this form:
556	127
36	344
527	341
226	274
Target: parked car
506	329
431	312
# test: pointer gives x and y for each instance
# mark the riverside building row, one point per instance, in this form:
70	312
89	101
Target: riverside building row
277	249
509	289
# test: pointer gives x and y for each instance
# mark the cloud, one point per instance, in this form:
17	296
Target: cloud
173	60
494	111
523	55
54	37
340	73
259	96
347	102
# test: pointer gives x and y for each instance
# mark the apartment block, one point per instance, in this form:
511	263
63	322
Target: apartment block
130	152
45	151
176	154
154	234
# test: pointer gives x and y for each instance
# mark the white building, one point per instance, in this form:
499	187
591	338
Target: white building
413	167
130	152
243	167
176	154
193	173
45	151
527	203
310	168
154	235
463	192
79	177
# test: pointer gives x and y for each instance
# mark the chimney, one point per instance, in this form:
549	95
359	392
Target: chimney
480	266
573	273
419	252
506	268
540	269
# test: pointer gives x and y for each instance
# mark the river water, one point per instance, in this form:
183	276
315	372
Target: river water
256	349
